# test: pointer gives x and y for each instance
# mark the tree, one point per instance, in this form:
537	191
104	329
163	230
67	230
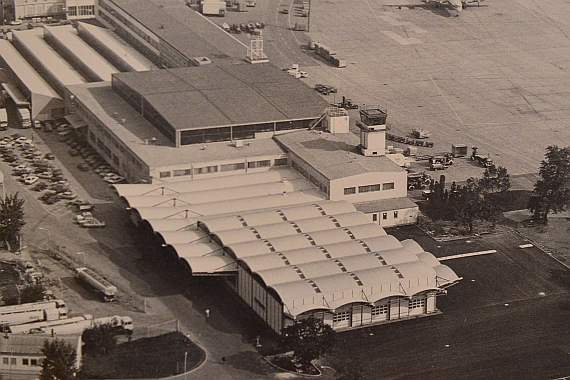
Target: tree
32	293
495	180
100	339
309	339
11	218
59	362
551	192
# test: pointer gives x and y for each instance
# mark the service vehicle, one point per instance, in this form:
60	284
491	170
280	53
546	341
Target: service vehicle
418	181
75	325
482	160
3	119
33	312
24	117
213	8
421	133
107	290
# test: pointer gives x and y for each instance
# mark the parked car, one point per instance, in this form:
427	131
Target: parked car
73	152
83	166
49	156
31	179
93	224
113	178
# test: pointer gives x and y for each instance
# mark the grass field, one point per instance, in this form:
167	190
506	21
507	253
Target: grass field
156	357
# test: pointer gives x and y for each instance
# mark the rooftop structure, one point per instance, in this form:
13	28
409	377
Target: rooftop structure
225	102
37	91
66	41
109	46
54	69
171	32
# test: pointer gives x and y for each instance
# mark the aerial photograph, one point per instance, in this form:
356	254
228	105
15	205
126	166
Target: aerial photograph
285	189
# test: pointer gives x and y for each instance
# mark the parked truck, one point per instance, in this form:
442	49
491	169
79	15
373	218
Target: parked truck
33	312
213	8
482	160
24	116
3	119
75	325
102	286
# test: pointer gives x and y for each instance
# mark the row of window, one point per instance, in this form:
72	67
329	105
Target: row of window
305	173
84	10
28	362
128	23
384	216
369	188
223	168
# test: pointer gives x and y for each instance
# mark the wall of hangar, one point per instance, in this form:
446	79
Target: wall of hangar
385	310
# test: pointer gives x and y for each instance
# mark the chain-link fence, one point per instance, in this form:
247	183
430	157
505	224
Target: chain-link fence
156	329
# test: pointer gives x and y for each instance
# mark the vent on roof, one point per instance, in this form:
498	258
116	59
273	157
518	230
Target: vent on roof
199	61
161	26
238	143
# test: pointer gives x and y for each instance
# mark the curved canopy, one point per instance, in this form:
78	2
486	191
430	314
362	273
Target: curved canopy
211	264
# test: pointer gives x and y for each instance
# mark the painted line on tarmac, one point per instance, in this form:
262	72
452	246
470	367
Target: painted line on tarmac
461	255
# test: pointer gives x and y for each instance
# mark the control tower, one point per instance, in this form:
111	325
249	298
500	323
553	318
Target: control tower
372	130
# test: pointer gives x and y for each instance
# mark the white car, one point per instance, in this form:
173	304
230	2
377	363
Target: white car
113	178
94	223
31	179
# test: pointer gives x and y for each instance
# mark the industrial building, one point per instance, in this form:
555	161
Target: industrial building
169	33
26	87
22	354
242	171
287	251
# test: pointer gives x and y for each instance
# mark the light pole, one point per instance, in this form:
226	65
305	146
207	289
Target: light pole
83	254
49	238
185	359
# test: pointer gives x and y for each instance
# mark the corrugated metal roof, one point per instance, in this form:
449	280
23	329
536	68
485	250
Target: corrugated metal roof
128	55
231	206
60	69
67	37
224	95
385	205
201	184
218	195
335	155
24	71
211	264
32	344
181	237
197	249
184	29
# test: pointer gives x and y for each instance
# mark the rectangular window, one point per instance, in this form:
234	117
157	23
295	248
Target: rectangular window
369	188
181	172
232	167
374	217
5	361
164	174
385	215
25	362
395	214
388	186
34	362
349	190
342	316
259	164
379	309
417	303
206	170
12	361
280	162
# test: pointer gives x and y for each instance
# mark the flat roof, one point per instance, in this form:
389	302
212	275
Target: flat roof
23	70
334	155
225	95
67	36
128	55
103	102
184	29
36	45
385	205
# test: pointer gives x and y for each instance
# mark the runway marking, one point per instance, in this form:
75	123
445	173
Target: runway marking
461	255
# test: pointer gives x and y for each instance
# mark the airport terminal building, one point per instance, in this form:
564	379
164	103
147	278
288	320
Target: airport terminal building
230	171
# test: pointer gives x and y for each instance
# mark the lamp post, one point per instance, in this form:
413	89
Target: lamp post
49	238
185	359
